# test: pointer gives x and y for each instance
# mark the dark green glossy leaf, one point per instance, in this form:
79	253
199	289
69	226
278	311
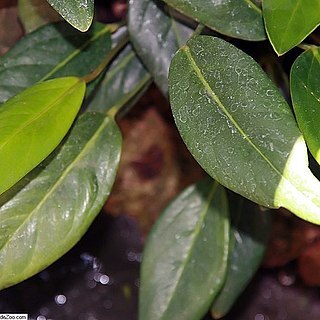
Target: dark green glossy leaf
50	213
235	18
156	36
249	233
52	51
185	258
305	92
239	128
288	22
33	123
79	13
124	79
36	13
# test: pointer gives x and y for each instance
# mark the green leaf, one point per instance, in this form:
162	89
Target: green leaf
52	51
79	13
44	219
305	93
156	36
288	22
185	258
239	128
36	13
124	79
249	233
235	18
33	123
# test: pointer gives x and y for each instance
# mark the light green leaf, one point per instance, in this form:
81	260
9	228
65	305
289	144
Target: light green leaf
33	123
249	233
235	18
59	200
288	22
79	13
185	258
52	51
156	36
36	13
239	128
305	93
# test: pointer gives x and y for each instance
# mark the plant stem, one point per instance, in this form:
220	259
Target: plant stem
112	53
198	30
305	46
143	84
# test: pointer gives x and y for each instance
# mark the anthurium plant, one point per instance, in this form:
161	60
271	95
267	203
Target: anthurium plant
62	87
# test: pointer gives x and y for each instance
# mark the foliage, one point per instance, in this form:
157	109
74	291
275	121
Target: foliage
234	120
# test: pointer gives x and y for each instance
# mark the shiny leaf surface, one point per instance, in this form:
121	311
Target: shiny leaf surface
156	36
58	201
288	22
52	51
33	123
185	258
235	18
249	233
124	79
79	13
239	128
305	93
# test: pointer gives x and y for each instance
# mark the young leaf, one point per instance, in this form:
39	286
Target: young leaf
249	233
156	36
124	79
52	51
239	128
79	13
36	13
235	18
305	92
288	22
33	123
50	214
185	258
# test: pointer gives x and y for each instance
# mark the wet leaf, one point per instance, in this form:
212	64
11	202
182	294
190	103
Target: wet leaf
124	79
156	36
33	123
305	93
50	213
288	22
249	233
239	128
52	51
36	13
235	18
79	13
185	257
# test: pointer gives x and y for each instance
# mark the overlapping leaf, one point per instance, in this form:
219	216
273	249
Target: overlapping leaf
235	18
239	128
185	258
44	219
79	13
156	36
33	123
52	51
36	13
288	22
249	233
124	79
305	92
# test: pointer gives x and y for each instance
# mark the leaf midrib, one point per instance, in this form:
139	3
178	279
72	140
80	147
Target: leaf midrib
196	232
81	154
